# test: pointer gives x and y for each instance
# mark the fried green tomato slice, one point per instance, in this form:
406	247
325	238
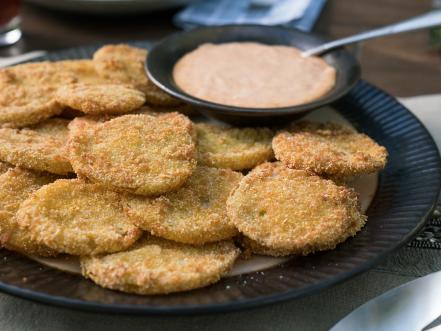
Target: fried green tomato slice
328	149
185	109
233	148
27	93
141	154
53	127
41	147
78	218
293	211
158	266
194	214
16	185
83	70
124	64
97	99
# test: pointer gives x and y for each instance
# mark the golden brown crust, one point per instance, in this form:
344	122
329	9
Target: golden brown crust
27	93
125	64
328	149
77	218
157	97
35	111
53	127
121	64
194	214
293	211
83	70
142	154
100	98
16	185
186	109
158	266
233	148
41	148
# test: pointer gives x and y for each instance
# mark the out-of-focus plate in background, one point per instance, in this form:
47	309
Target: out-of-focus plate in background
110	6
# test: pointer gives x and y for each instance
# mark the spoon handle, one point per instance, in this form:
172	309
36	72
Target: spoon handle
420	22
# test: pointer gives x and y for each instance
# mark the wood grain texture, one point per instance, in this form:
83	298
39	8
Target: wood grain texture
403	65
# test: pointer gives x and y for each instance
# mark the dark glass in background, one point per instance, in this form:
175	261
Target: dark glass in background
9	22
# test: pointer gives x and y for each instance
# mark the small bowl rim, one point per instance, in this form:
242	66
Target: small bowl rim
326	99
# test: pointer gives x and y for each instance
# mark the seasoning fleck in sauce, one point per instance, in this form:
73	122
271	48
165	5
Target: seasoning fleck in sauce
253	75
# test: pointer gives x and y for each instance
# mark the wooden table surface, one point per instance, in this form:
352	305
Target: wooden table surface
403	65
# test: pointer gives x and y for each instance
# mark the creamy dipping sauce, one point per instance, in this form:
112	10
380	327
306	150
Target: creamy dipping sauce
253	75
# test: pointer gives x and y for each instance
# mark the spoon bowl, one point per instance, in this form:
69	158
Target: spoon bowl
164	55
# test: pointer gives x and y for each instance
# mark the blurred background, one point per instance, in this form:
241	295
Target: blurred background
404	65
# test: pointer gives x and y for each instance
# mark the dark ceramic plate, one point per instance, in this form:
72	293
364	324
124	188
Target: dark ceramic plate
164	55
407	192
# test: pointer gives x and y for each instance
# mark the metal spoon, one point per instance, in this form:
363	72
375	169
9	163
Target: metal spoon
15	59
427	20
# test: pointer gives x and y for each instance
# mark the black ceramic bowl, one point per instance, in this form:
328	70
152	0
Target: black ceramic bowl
164	55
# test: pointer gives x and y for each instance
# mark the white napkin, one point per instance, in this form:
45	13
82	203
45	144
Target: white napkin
301	14
427	108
